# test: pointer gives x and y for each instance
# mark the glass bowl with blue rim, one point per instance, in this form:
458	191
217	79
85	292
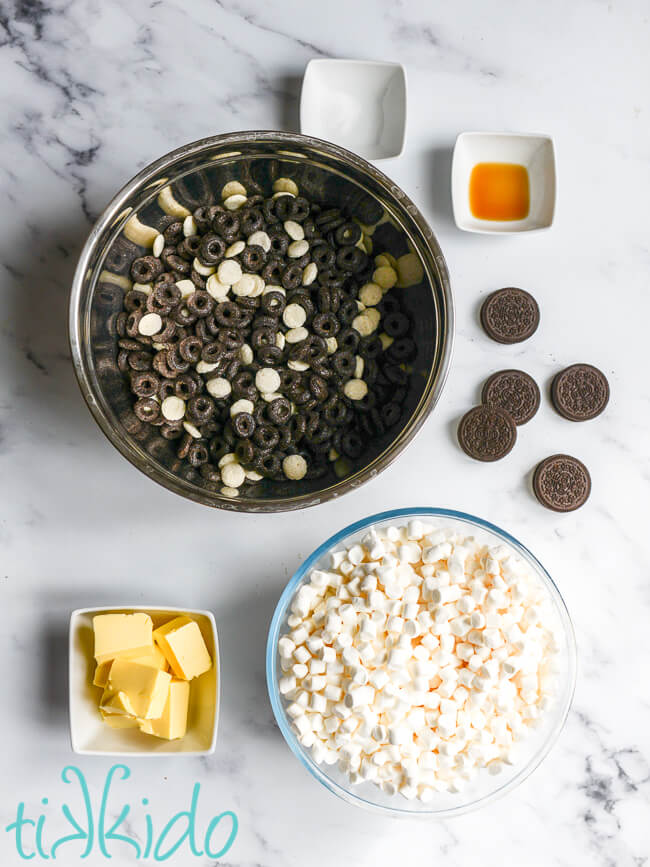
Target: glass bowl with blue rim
531	750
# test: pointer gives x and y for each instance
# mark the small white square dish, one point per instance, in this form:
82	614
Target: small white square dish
535	153
91	736
358	104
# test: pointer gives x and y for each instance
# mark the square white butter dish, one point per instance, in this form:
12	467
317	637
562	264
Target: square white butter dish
91	736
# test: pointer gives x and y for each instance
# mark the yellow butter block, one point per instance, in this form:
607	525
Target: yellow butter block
117	634
146	687
153	656
101	673
173	722
116	702
120	721
184	648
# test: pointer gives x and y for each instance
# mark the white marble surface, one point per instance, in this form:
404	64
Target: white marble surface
91	92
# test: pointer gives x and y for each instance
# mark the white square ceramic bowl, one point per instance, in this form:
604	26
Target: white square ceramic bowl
89	734
535	152
358	104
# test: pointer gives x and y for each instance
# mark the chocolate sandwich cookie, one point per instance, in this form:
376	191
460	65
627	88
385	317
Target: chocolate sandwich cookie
487	433
510	315
514	391
562	483
580	392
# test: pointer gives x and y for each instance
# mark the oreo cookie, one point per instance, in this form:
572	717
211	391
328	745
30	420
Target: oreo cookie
515	391
562	483
580	392
487	433
510	315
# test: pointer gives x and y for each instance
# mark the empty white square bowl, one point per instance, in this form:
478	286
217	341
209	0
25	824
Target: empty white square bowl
358	104
535	152
91	736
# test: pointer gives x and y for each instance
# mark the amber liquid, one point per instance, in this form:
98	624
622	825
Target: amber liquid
499	191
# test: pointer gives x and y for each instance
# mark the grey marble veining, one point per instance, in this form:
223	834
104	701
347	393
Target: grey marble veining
91	92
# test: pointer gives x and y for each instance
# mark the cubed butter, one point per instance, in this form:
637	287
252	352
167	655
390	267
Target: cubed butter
116	702
120	721
153	656
173	722
145	686
119	634
184	648
101	673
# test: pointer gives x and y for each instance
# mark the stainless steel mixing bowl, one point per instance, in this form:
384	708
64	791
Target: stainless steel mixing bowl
195	174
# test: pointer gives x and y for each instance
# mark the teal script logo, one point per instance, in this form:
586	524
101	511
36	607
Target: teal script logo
93	832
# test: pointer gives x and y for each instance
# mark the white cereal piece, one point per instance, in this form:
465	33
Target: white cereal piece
230	492
192	430
246	354
229	272
294	230
267	380
294	467
150	324
386	340
206	367
229	458
233	475
233	188
355	389
285	185
242	405
169	204
234	249
173	408
203	270
332	345
189	226
296	335
245	286
385	277
158	245
374	317
219	387
260	239
186	287
370	294
234	202
140	233
260	286
309	274
358	367
363	324
296	249
216	288
294	315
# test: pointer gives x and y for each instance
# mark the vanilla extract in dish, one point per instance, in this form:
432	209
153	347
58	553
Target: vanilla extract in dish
499	191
